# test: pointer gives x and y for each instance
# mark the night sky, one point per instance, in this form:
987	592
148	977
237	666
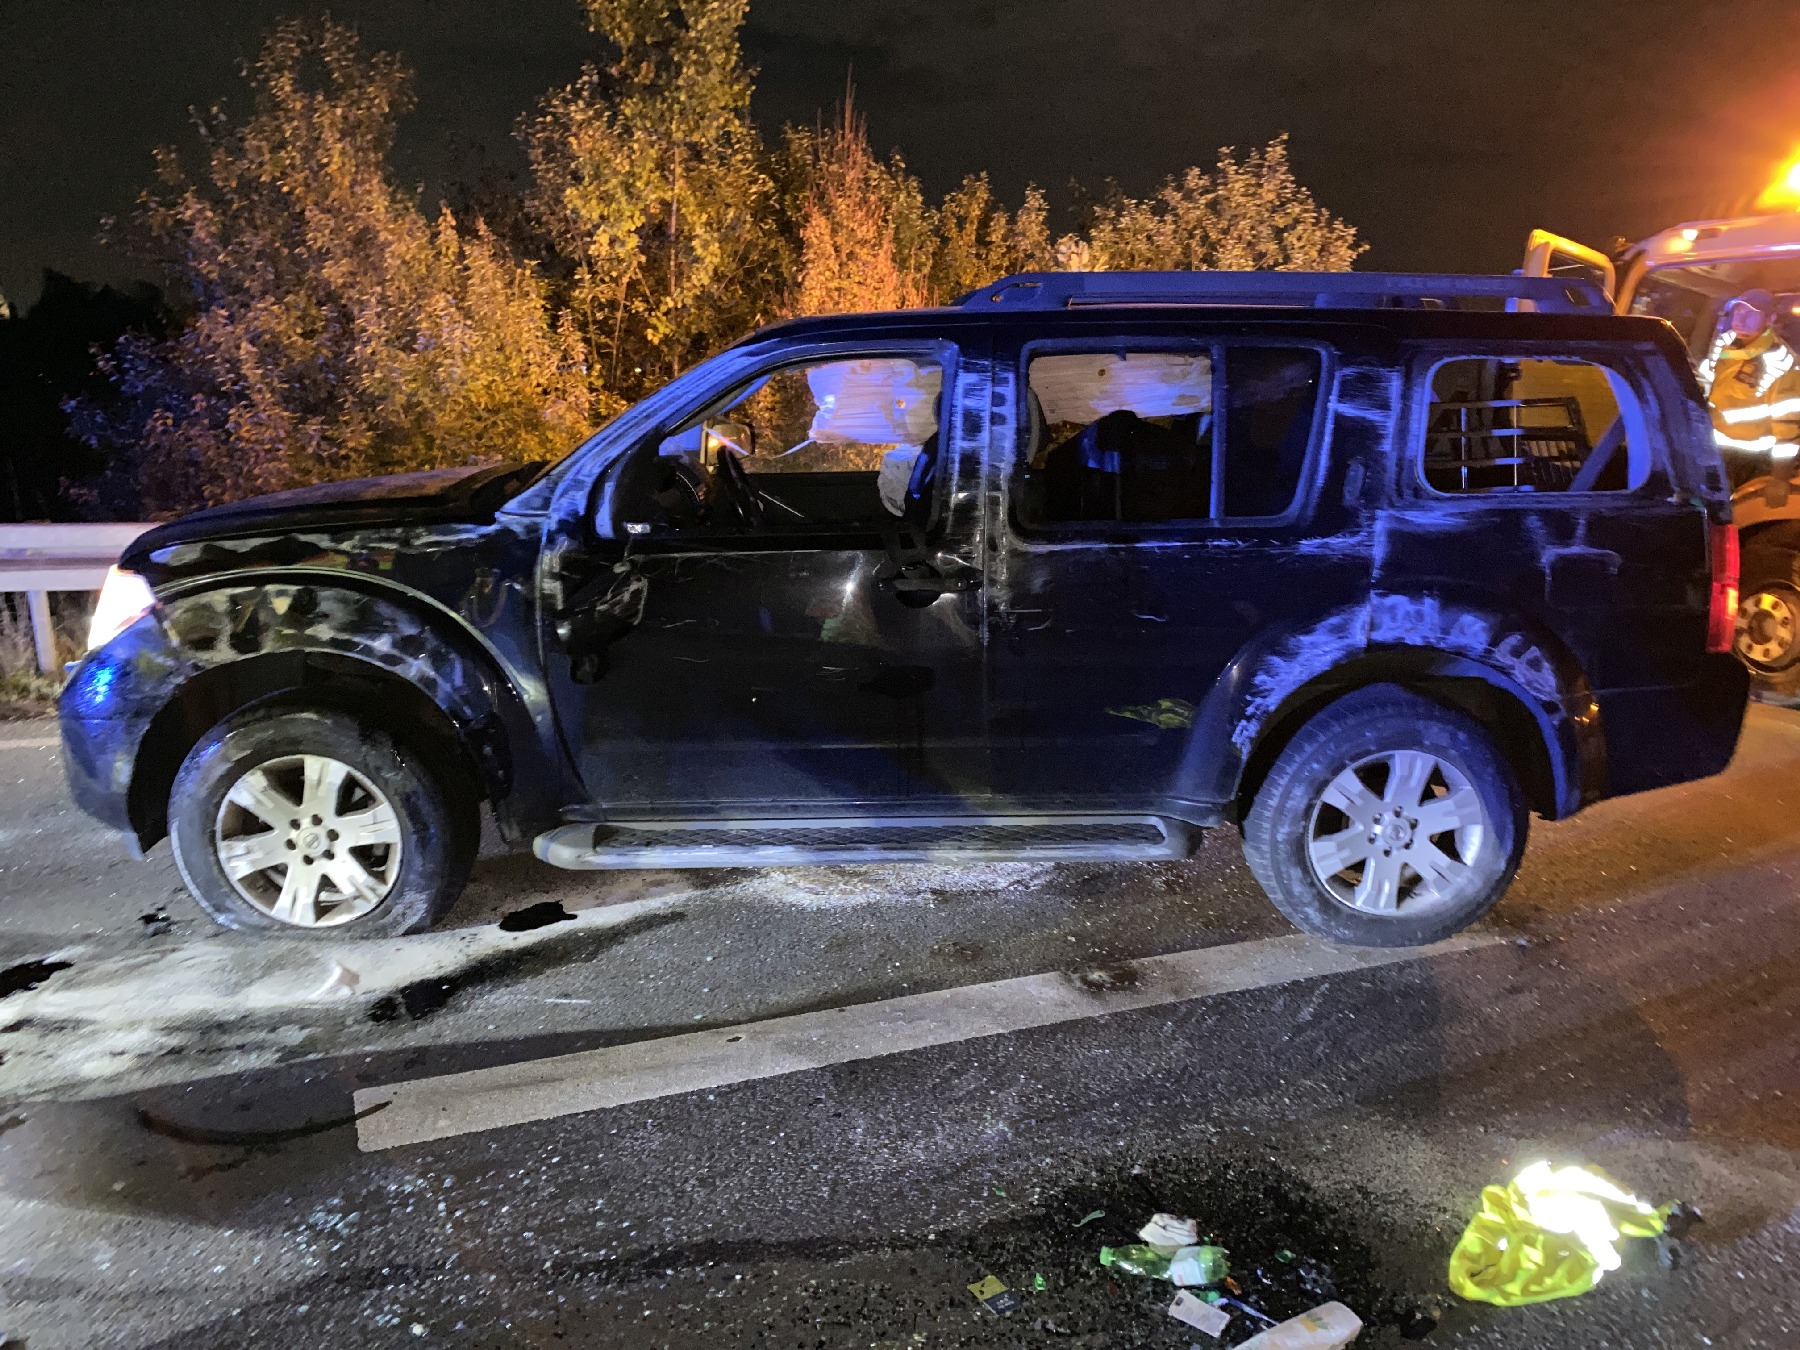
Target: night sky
1442	129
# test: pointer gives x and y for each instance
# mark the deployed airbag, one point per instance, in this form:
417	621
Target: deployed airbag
1085	388
874	401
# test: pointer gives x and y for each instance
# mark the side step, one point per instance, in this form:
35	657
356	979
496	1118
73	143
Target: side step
931	839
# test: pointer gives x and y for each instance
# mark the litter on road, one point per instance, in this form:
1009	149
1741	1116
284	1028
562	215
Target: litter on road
1170	1230
1186	1266
1199	1314
994	1296
1550	1233
1330	1326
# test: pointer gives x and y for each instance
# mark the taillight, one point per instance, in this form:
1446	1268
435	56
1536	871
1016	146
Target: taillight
1721	614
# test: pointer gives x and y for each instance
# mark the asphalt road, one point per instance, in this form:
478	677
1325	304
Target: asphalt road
180	1166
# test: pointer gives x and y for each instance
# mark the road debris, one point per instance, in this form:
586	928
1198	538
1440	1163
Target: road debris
1089	1217
341	983
1330	1326
1199	1314
1170	1230
1194	1266
156	922
1550	1233
29	975
1244	1307
1185	1266
994	1296
535	916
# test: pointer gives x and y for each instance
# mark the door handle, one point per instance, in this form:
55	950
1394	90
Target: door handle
918	584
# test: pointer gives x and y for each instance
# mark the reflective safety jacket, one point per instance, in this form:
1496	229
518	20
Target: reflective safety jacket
1755	394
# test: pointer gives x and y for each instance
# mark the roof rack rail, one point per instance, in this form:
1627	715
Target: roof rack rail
1320	290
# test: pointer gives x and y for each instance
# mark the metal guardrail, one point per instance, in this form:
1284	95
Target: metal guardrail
38	559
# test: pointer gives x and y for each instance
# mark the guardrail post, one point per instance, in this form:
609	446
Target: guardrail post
43	630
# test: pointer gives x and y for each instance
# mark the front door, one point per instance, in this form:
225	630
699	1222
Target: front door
791	626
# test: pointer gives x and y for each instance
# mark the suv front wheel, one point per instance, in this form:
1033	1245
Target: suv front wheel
1388	821
308	824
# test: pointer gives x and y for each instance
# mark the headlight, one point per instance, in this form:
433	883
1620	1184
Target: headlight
124	599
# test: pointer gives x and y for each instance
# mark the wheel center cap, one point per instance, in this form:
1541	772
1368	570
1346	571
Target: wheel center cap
312	841
1396	831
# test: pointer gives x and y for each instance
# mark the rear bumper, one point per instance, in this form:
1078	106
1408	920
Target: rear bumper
1658	737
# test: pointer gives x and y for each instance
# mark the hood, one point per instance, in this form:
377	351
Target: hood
434	496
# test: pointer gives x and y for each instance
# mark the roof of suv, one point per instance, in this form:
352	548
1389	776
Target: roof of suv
1418	323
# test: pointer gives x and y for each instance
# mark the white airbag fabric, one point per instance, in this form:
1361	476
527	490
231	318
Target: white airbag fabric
1084	388
875	401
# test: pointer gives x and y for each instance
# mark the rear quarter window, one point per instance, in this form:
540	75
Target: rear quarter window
1526	425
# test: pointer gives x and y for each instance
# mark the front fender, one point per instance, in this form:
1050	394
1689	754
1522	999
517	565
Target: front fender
137	681
1280	677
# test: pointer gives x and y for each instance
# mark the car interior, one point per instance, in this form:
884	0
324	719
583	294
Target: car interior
839	443
1530	425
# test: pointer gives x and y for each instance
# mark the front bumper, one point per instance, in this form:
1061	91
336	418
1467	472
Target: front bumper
105	711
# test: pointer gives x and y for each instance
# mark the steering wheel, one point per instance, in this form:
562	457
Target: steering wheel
737	485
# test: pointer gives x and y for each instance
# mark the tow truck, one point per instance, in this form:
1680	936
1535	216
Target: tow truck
1686	275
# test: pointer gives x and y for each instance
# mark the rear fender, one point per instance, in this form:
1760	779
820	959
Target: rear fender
1441	649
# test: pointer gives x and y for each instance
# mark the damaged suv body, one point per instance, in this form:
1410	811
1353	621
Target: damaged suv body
1370	566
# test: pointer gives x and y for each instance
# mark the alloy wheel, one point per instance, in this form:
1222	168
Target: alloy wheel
309	841
1398	832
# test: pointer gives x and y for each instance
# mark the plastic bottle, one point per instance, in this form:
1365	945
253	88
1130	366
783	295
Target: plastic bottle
1138	1259
1193	1266
1184	1266
1330	1326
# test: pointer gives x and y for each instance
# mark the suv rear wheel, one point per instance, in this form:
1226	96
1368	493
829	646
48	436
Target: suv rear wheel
1388	821
307	824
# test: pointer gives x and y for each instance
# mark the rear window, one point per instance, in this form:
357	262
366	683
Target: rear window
1532	425
1198	437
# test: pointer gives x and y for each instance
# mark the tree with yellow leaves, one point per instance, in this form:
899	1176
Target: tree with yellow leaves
653	182
333	330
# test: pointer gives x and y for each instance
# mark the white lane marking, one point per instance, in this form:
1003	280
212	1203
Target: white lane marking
422	1109
31	743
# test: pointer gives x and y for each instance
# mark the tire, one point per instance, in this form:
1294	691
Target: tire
1377	740
418	832
1768	624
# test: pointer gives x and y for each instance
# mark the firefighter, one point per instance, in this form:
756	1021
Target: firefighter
1755	394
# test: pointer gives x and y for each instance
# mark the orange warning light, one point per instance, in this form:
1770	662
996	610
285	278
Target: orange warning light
1783	193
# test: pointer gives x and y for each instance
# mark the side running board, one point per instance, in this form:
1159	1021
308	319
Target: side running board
941	839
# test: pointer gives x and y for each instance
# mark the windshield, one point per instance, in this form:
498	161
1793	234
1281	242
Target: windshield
1693	298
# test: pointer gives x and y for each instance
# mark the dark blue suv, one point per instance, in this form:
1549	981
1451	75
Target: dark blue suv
1368	566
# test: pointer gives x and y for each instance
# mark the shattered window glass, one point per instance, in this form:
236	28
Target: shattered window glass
843	442
1505	424
1133	436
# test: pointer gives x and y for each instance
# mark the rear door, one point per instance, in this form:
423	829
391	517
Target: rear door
1160	488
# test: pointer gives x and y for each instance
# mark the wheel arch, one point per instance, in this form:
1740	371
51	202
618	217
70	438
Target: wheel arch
1523	686
375	656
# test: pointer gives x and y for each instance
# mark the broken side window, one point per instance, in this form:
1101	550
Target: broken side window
1133	436
1532	425
839	442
